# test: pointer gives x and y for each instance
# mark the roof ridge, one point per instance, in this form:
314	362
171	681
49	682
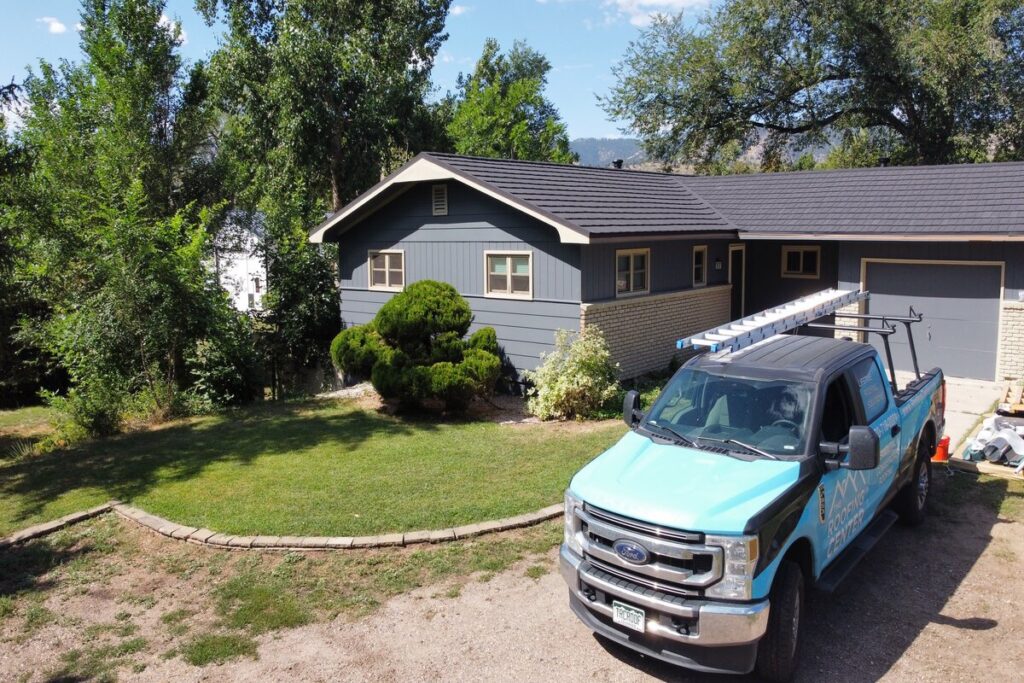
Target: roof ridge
530	162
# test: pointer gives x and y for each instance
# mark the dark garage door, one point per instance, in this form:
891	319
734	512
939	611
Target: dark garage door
960	305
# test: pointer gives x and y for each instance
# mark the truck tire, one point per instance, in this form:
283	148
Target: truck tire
777	652
912	503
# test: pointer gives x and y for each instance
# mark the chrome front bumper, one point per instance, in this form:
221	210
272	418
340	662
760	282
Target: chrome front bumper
717	624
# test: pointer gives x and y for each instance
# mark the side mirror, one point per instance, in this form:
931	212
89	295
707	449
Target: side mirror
863	449
631	408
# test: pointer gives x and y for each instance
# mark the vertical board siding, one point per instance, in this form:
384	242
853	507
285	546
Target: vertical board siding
851	253
451	249
765	286
671	265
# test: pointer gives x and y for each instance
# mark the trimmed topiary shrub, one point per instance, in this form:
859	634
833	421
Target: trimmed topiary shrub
356	350
575	379
425	313
415	349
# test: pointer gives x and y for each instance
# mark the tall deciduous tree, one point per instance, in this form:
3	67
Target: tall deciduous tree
322	96
940	75
113	204
501	110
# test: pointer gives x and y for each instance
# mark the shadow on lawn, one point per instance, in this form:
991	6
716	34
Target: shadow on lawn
131	464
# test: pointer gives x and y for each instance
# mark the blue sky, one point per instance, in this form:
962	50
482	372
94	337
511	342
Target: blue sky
581	38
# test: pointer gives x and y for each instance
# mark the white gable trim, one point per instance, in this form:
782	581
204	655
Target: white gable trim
424	169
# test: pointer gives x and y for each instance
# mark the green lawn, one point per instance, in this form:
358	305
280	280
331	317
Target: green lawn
314	468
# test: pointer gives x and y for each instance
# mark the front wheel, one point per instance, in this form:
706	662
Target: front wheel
913	499
777	651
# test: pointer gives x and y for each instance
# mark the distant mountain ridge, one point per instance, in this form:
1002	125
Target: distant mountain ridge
603	151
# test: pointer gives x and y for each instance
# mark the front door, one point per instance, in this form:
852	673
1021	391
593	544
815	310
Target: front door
737	272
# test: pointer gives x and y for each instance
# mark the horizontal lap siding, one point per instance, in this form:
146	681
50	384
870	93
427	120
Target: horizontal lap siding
451	249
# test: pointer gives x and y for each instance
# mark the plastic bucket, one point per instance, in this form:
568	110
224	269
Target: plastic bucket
942	450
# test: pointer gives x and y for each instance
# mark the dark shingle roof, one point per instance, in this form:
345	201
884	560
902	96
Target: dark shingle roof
955	199
598	201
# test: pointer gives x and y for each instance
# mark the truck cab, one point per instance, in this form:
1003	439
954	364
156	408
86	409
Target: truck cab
755	475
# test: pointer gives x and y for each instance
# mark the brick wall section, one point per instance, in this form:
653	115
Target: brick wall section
857	307
642	331
1011	342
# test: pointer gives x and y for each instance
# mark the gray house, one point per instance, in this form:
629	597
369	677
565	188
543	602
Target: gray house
652	257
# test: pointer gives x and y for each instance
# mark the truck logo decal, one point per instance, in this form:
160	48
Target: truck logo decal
821	503
632	552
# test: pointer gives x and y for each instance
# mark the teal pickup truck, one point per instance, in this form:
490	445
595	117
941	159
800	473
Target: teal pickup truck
756	474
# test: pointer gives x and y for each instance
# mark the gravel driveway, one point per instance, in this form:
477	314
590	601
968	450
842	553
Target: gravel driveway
931	604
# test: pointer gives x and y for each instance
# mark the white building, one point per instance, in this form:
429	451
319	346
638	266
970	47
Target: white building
238	260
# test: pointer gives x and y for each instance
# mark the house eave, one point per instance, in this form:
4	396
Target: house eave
883	236
423	168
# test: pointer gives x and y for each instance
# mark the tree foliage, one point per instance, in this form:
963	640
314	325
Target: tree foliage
114	210
501	110
943	77
321	97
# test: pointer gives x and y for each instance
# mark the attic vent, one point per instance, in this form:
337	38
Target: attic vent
439	200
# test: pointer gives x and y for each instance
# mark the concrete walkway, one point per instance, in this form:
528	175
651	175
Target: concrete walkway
968	400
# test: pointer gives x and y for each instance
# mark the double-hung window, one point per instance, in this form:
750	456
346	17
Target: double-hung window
632	271
386	269
509	274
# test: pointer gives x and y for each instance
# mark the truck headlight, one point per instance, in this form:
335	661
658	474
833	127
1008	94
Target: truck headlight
572	503
738	563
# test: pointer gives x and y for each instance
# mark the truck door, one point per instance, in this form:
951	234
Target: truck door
881	414
842	493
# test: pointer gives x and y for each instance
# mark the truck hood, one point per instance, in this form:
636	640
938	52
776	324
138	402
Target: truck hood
681	488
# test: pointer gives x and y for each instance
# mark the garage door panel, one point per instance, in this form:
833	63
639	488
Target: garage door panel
960	306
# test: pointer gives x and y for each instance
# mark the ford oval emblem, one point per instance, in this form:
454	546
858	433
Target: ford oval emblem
632	552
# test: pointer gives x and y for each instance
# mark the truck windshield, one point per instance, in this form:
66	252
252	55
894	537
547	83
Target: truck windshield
768	415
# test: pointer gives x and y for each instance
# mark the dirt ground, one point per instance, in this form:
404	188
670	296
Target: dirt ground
937	603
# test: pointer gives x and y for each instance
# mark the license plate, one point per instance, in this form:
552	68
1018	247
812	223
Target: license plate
628	616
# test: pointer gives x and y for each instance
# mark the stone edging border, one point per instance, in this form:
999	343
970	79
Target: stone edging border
37	530
227	541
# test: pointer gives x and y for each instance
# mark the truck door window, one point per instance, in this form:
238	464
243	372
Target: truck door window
838	415
871	387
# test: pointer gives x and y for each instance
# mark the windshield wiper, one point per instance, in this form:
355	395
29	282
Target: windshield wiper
746	446
685	440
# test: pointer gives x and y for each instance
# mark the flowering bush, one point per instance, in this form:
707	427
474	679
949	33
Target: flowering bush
575	379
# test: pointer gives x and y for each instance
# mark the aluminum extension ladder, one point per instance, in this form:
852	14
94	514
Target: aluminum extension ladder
758	327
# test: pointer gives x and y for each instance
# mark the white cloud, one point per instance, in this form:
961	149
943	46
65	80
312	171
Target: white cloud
445	57
53	25
79	27
642	12
169	24
459	10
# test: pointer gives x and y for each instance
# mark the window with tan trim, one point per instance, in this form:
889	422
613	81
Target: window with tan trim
508	274
801	262
700	266
386	269
632	271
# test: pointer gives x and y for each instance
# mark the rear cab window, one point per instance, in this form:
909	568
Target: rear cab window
871	386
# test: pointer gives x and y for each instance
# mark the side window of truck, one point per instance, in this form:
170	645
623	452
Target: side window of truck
838	415
871	388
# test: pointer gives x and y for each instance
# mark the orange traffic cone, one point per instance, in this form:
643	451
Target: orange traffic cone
942	450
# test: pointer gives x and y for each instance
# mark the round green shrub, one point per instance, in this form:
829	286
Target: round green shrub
485	339
483	368
452	385
356	350
412	319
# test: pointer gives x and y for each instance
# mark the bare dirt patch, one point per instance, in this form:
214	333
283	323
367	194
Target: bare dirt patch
936	603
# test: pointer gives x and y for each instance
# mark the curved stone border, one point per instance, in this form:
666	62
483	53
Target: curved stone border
212	538
45	528
206	537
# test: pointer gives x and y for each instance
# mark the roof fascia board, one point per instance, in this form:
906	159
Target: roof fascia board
424	169
882	237
662	236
